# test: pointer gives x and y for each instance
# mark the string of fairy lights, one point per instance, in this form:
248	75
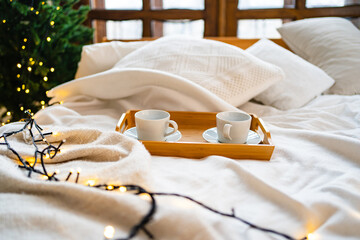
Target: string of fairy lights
28	64
47	150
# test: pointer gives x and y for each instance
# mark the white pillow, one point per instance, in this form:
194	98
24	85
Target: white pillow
303	80
227	71
333	44
100	57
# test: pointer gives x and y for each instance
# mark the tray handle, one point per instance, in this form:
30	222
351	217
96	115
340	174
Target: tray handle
258	122
122	123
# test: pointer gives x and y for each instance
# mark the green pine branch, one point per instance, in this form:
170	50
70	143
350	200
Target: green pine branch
40	48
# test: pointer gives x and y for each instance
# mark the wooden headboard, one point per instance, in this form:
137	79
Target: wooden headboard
238	42
220	16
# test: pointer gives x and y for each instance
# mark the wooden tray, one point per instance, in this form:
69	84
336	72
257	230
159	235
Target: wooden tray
192	145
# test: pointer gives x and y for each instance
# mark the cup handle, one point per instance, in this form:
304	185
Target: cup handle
174	125
226	131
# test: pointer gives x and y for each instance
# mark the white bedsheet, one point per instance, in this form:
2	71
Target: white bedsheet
311	184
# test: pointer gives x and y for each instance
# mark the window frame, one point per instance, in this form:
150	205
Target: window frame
220	16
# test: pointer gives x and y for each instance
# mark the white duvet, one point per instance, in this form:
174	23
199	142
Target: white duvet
310	185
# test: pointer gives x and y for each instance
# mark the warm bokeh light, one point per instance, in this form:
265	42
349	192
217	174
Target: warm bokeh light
44	177
145	196
312	236
122	189
109	232
90	182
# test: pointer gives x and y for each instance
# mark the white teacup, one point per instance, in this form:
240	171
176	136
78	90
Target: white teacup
152	125
233	127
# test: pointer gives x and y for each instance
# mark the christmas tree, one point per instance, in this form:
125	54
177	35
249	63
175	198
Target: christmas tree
40	47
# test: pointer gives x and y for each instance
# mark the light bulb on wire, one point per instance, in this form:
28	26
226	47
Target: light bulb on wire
109	232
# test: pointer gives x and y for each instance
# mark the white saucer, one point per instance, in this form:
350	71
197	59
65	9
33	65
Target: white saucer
211	136
131	132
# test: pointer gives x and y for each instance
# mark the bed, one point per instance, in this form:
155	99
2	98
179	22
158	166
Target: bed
108	183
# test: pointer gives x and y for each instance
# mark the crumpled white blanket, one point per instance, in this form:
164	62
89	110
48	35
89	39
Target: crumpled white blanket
311	184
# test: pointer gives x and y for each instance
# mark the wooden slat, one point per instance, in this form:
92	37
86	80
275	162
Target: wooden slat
173	14
211	18
146	20
266	13
300	4
230	18
222	18
348	11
